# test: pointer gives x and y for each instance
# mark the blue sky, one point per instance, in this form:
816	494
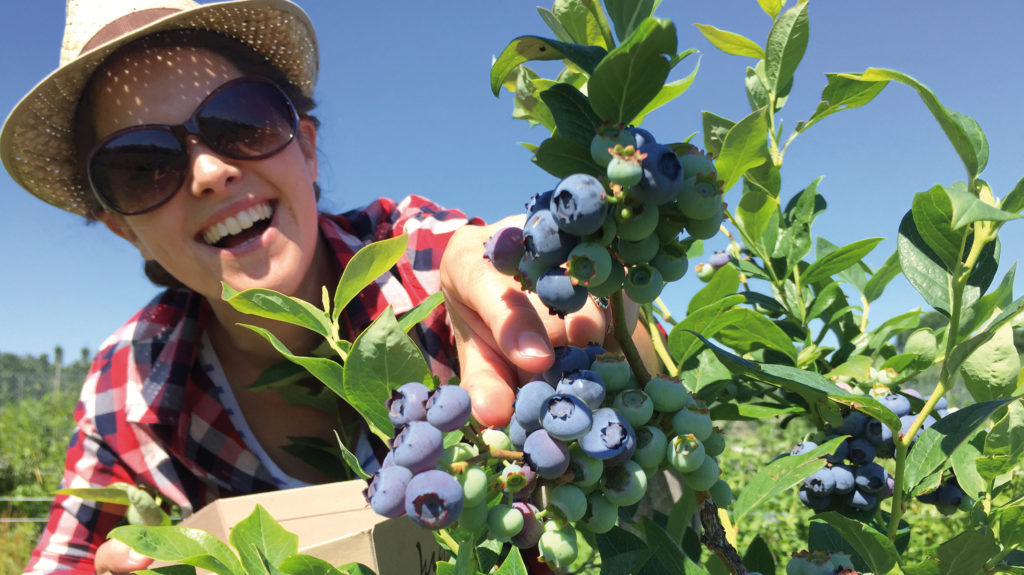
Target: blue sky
406	108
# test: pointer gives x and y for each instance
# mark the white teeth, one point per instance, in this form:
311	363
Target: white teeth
232	225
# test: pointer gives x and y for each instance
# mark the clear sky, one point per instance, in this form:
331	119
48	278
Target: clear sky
406	108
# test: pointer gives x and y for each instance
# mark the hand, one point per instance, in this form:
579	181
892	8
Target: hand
504	335
115	558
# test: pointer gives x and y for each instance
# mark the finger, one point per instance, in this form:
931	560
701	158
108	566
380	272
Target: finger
115	558
588	325
487	377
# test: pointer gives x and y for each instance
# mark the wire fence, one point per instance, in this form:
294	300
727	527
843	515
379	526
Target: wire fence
6	501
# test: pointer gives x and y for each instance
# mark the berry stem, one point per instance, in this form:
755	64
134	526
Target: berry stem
625	339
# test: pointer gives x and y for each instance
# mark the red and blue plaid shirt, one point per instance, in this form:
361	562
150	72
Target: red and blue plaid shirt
149	413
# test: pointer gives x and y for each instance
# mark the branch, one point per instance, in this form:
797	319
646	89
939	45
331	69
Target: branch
715	539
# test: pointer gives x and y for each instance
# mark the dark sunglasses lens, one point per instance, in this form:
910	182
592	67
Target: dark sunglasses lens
247	120
138	170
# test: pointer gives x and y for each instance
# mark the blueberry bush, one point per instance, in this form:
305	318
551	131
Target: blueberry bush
580	480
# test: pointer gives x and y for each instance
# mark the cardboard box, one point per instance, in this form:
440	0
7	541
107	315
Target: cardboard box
333	523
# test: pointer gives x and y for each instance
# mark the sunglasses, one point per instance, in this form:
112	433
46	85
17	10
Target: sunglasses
138	169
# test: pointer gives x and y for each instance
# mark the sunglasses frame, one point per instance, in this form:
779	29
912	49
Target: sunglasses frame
181	132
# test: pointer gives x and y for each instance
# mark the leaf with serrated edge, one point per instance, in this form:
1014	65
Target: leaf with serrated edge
873	547
369	263
731	42
935	444
780	475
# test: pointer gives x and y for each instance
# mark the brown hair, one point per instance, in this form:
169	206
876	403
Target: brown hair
248	61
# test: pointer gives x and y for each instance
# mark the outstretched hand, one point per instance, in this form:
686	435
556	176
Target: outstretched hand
504	335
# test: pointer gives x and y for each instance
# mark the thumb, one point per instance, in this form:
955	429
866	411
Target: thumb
114	557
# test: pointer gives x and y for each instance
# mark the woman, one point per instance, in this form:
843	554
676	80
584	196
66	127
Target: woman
186	130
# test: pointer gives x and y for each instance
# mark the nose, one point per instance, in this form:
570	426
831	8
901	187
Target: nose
211	173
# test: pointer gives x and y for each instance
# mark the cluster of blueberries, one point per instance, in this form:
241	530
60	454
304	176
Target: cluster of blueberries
582	442
851	477
622	231
820	563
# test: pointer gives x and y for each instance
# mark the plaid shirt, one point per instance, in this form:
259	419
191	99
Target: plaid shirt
149	415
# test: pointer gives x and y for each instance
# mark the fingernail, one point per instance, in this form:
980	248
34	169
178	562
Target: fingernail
531	344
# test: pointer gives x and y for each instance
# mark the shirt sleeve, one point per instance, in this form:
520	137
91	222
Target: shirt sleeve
76	527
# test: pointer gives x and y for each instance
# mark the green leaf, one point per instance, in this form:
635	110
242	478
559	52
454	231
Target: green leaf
572	113
259	531
708	319
965	467
874	547
1011	525
114	494
383	358
756	88
724	283
369	263
933	213
621	551
842	93
967	553
991	371
144	509
527	105
882	276
800	212
963	132
680	517
668	553
631	75
824	300
627	15
968	208
1000	298
513	564
309	565
745	147
966	348
529	48
787	42
562	157
274	305
707	371
715	129
781	475
419	313
771	8
1007	435
755	213
937	443
351	460
730	42
178	544
584	21
838	260
758	556
748	330
557	28
667	93
856	275
1014	201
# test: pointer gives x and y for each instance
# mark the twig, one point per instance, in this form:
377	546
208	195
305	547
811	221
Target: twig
715	539
625	338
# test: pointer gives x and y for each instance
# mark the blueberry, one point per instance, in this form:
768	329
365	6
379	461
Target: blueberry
879	435
671	261
714	445
907	420
586	471
579	204
545	454
545	241
705	228
569	500
530	270
386	491
614	371
408	403
541	201
584	384
610	435
635	406
496	438
821	482
815	502
721	493
695	162
625	168
565	417
557	545
505	249
640	251
802	447
692	420
601	514
529	401
643	283
861	501
474	486
700	198
718	259
641	136
651	446
853	424
685	453
433	499
589	263
557	291
896	403
669	395
418	446
662	178
448	407
504	522
626	484
861	451
532	527
840	454
568	358
517	433
637	223
949	498
594	350
608	136
610	286
844	478
515	478
704	476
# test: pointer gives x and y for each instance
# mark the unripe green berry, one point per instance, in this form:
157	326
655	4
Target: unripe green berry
668	395
714	445
626	484
643	284
474	486
586	470
558	547
496	439
616	276
691	420
624	171
640	223
671	261
614	371
589	263
721	493
601	514
473	518
703	229
569	500
704	477
504	522
685	453
635	406
651	447
637	252
704	271
608	136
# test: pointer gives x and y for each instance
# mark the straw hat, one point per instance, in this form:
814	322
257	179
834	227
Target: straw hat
37	144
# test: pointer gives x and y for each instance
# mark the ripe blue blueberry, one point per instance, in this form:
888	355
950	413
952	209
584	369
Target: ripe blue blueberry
584	384
529	401
517	433
896	403
545	454
949	498
418	446
844	478
565	417
541	201
386	491
557	291
815	502
853	424
662	175
433	499
641	136
718	259
862	451
408	403
505	249
802	447
871	478
545	241
448	407
861	501
821	482
579	204
610	435
568	358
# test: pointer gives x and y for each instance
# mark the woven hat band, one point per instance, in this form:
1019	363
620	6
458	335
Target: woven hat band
125	25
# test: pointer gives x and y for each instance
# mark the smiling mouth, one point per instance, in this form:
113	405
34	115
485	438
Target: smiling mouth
240	228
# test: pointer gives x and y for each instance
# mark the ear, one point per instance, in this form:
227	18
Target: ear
117	224
307	143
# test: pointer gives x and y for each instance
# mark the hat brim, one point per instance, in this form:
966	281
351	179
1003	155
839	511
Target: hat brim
37	143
